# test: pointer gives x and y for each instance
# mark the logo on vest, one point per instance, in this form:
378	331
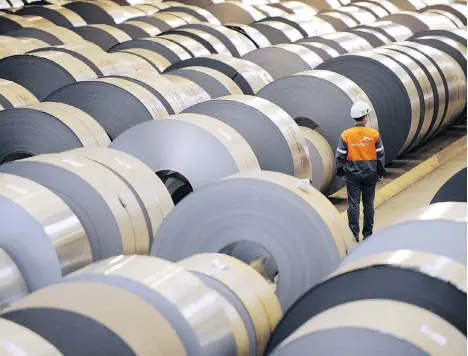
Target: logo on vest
364	141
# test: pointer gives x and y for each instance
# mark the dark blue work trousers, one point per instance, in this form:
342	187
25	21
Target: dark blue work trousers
357	187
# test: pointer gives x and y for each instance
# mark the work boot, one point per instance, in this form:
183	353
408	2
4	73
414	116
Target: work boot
365	237
356	238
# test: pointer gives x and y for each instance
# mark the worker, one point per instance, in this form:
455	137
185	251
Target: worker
360	159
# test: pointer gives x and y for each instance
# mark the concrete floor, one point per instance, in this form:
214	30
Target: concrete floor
419	194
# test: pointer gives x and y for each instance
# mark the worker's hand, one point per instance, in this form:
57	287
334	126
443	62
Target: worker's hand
379	178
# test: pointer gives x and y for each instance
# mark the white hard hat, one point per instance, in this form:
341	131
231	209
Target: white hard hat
359	109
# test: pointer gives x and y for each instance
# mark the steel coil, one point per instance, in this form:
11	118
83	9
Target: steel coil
417	22
235	12
394	31
52	35
159	62
453	190
257	304
458	35
374	8
197	12
459	11
272	134
148	8
453	48
339	20
296	7
374	37
207	40
59	15
321	5
289	21
185	17
153	197
322	158
47	128
14	22
454	19
237	43
258	38
13	95
103	202
44	72
190	45
10	46
285	59
269	210
105	36
201	140
324	51
175	93
115	103
271	11
376	326
101	317
147	28
170	50
278	32
342	42
360	15
441	229
215	83
98	12
13	285
413	277
21	339
305	97
41	234
397	104
248	76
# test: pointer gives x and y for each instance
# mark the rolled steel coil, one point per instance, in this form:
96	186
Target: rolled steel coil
271	11
159	62
201	140
397	103
285	59
105	36
296	7
101	199
52	35
375	326
338	20
374	37
213	82
41	234
322	5
454	19
417	22
10	46
153	197
258	38
156	22
59	15
394	31
235	12
310	26
421	79
322	158
272	134
409	5
258	304
43	73
443	116
192	46
255	208
185	17
197	12
306	97
170	50
99	316
115	103
148	29
324	51
458	35
125	63
47	128
237	43
174	92
207	40
278	32
19	338
13	95
14	22
132	12
458	11
441	229
13	285
248	76
389	6
361	15
148	8
417	278
98	12
342	42
374	8
453	48
453	190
